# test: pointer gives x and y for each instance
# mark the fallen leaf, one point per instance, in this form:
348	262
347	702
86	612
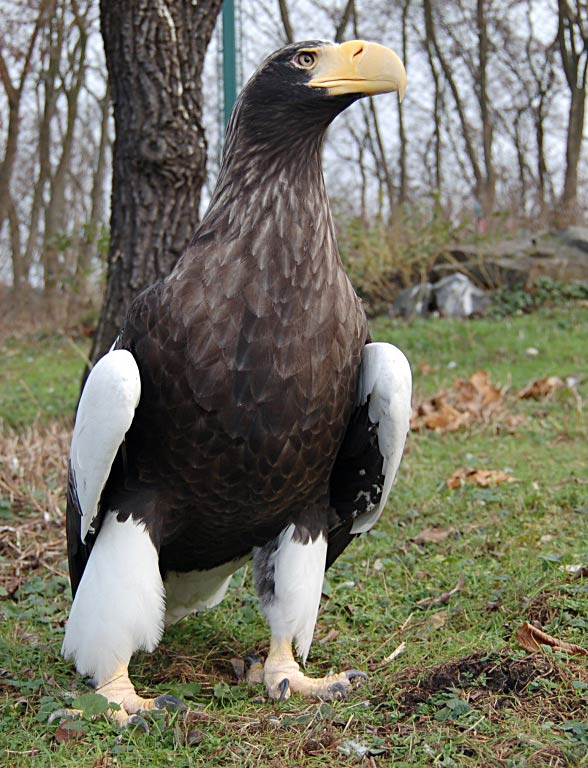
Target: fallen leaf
445	418
540	389
434	535
425	369
476	393
481	477
71	730
531	639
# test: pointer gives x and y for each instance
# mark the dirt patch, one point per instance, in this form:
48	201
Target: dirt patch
487	673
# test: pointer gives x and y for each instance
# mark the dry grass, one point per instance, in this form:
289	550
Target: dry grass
33	476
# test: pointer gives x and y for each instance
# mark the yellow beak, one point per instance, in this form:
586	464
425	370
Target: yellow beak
359	67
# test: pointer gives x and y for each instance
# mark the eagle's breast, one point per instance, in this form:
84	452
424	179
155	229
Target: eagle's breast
249	354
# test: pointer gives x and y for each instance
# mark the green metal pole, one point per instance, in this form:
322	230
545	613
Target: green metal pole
229	58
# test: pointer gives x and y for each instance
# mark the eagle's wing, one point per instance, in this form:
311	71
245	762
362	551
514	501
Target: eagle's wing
369	457
105	413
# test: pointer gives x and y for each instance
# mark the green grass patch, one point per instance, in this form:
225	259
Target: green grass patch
40	377
460	694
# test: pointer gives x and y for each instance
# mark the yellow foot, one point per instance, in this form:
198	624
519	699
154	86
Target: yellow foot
280	684
282	677
120	717
119	690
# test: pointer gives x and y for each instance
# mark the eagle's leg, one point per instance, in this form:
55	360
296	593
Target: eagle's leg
118	609
289	575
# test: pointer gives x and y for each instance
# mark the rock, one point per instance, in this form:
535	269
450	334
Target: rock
574	237
413	302
519	262
457	296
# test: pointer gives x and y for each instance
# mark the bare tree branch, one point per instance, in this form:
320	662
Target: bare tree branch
285	16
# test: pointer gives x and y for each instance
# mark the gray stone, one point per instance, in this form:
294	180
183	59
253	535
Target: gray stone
457	296
413	302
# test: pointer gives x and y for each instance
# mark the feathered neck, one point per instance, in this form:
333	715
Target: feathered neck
262	169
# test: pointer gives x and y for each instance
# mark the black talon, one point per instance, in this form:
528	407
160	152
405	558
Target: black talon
351	673
338	688
137	720
167	701
251	659
283	686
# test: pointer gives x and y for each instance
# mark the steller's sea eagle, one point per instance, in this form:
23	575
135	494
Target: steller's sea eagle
242	413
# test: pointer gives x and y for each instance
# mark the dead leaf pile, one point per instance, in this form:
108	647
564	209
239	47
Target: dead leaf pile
469	401
482	477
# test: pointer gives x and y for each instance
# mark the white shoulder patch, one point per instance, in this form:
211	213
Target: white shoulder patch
385	378
105	413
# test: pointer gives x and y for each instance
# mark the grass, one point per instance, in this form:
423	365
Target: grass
40	379
462	693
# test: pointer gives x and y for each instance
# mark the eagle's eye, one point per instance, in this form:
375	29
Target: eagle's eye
305	60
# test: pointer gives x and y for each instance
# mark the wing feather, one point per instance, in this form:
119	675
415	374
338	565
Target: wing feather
370	454
385	385
105	413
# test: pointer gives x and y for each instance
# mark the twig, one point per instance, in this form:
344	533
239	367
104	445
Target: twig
446	596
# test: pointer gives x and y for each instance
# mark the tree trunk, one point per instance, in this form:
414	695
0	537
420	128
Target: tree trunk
437	117
572	36
402	137
56	214
20	270
155	55
88	248
48	90
569	198
488	191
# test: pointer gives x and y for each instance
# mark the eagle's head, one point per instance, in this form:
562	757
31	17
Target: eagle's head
298	90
